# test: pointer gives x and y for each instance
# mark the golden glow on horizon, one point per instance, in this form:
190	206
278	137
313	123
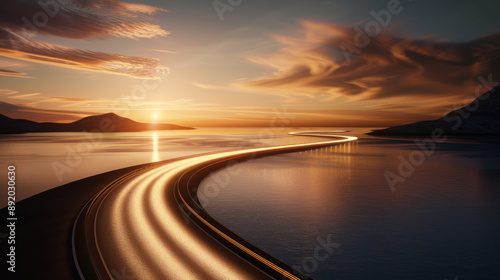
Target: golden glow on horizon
242	92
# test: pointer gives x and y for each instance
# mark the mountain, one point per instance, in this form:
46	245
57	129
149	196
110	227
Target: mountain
481	117
100	123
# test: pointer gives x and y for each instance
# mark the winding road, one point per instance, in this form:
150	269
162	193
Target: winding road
149	224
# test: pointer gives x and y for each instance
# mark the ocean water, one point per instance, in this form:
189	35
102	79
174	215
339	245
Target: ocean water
441	222
47	160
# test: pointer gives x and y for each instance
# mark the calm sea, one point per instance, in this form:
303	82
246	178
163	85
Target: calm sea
329	212
47	160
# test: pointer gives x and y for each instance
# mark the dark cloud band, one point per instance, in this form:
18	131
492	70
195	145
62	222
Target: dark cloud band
78	19
22	20
327	58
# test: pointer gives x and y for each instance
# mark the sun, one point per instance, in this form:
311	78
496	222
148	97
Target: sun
155	116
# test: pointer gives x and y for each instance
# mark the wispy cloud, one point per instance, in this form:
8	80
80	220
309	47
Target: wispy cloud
13	68
81	19
183	102
36	99
25	96
10	73
23	111
209	86
46	53
311	60
177	104
158	50
89	19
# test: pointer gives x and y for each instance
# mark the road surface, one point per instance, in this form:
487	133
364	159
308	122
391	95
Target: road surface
149	224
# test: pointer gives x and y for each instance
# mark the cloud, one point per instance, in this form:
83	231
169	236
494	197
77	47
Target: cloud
311	60
34	100
22	20
38	107
71	99
162	51
264	117
209	86
15	46
204	114
177	104
41	115
11	73
13	64
79	19
26	96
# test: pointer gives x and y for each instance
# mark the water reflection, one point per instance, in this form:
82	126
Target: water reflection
35	153
339	161
156	154
444	213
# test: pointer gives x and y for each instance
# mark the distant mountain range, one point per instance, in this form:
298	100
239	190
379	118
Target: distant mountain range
100	123
481	117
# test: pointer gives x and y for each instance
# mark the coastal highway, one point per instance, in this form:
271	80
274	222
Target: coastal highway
149	224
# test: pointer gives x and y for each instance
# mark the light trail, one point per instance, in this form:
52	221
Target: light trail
149	224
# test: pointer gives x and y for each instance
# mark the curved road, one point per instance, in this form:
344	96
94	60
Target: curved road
149	224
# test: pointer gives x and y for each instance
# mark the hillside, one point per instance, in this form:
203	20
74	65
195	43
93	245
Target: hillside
481	117
101	123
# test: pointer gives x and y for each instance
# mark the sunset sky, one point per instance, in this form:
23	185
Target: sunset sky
191	64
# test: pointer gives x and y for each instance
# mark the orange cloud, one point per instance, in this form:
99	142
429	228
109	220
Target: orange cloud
158	50
312	60
79	19
18	47
11	73
31	113
21	21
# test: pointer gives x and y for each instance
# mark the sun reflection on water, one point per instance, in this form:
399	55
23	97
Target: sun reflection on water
156	154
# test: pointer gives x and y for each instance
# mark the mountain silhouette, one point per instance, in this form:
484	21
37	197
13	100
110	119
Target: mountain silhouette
481	117
101	123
